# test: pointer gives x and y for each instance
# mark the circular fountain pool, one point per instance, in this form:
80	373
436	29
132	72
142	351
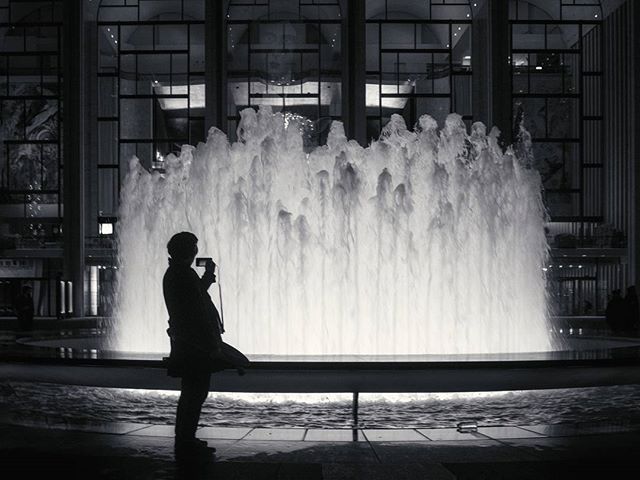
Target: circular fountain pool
78	360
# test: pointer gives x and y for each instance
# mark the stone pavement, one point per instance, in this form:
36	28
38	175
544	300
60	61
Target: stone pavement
139	451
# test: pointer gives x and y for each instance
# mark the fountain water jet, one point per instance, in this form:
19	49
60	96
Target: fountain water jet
426	242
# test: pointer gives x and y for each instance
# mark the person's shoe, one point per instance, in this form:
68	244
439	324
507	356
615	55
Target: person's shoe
192	446
204	444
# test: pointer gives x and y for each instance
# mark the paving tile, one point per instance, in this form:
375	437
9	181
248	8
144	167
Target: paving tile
593	447
394	435
559	430
500	433
241	471
115	428
599	428
449	434
506	470
301	452
297	471
227	433
350	471
449	452
334	435
156	431
284	434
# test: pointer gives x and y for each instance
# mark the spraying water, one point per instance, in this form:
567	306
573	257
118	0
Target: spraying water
426	242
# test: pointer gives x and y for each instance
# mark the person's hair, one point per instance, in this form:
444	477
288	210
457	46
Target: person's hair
181	245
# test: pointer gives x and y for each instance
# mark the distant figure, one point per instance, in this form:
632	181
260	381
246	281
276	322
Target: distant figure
588	307
632	311
615	312
195	335
24	309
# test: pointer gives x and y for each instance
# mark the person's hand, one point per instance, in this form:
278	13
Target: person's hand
210	268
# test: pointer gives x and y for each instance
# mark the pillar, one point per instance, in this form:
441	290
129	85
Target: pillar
491	67
633	241
215	43
354	77
73	150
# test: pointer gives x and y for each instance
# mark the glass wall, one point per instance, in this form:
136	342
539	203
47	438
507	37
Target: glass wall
286	55
30	148
418	61
30	121
150	87
556	66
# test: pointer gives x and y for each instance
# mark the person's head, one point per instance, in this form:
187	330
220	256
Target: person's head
631	290
183	247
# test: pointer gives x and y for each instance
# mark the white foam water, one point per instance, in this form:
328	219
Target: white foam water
426	242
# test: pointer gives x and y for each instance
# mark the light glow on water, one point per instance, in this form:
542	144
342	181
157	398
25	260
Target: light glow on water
426	242
321	398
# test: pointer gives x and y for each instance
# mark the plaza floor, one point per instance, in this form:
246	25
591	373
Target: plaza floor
142	451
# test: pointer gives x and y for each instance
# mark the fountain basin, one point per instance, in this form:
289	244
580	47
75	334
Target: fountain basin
592	362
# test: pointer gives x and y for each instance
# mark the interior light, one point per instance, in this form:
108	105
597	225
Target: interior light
105	228
538	67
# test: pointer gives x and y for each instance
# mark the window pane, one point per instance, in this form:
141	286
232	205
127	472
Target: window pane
135	118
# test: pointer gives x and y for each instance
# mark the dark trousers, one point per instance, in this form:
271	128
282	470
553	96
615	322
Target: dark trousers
25	322
195	388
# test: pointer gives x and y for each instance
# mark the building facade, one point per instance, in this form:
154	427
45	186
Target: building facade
85	85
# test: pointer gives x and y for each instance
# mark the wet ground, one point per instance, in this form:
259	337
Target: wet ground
130	451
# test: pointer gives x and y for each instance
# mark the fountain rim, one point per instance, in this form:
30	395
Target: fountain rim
621	368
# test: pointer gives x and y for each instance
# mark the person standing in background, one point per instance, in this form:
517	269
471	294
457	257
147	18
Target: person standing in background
24	309
631	311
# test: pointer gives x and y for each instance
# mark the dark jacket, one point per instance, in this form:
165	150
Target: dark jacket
23	306
194	322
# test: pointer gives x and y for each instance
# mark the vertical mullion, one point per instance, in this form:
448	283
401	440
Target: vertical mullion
450	67
250	73
529	71
381	71
59	145
433	81
318	45
397	72
188	72
598	60
41	167
119	100
581	97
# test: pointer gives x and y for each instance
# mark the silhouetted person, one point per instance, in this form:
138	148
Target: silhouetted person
194	331
615	312
632	311
24	309
588	307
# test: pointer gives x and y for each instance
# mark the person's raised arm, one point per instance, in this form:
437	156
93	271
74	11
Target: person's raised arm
209	275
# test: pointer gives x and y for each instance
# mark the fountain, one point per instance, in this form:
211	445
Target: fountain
426	242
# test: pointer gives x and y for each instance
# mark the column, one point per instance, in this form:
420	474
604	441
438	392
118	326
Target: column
354	76
73	150
215	43
633	241
491	67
